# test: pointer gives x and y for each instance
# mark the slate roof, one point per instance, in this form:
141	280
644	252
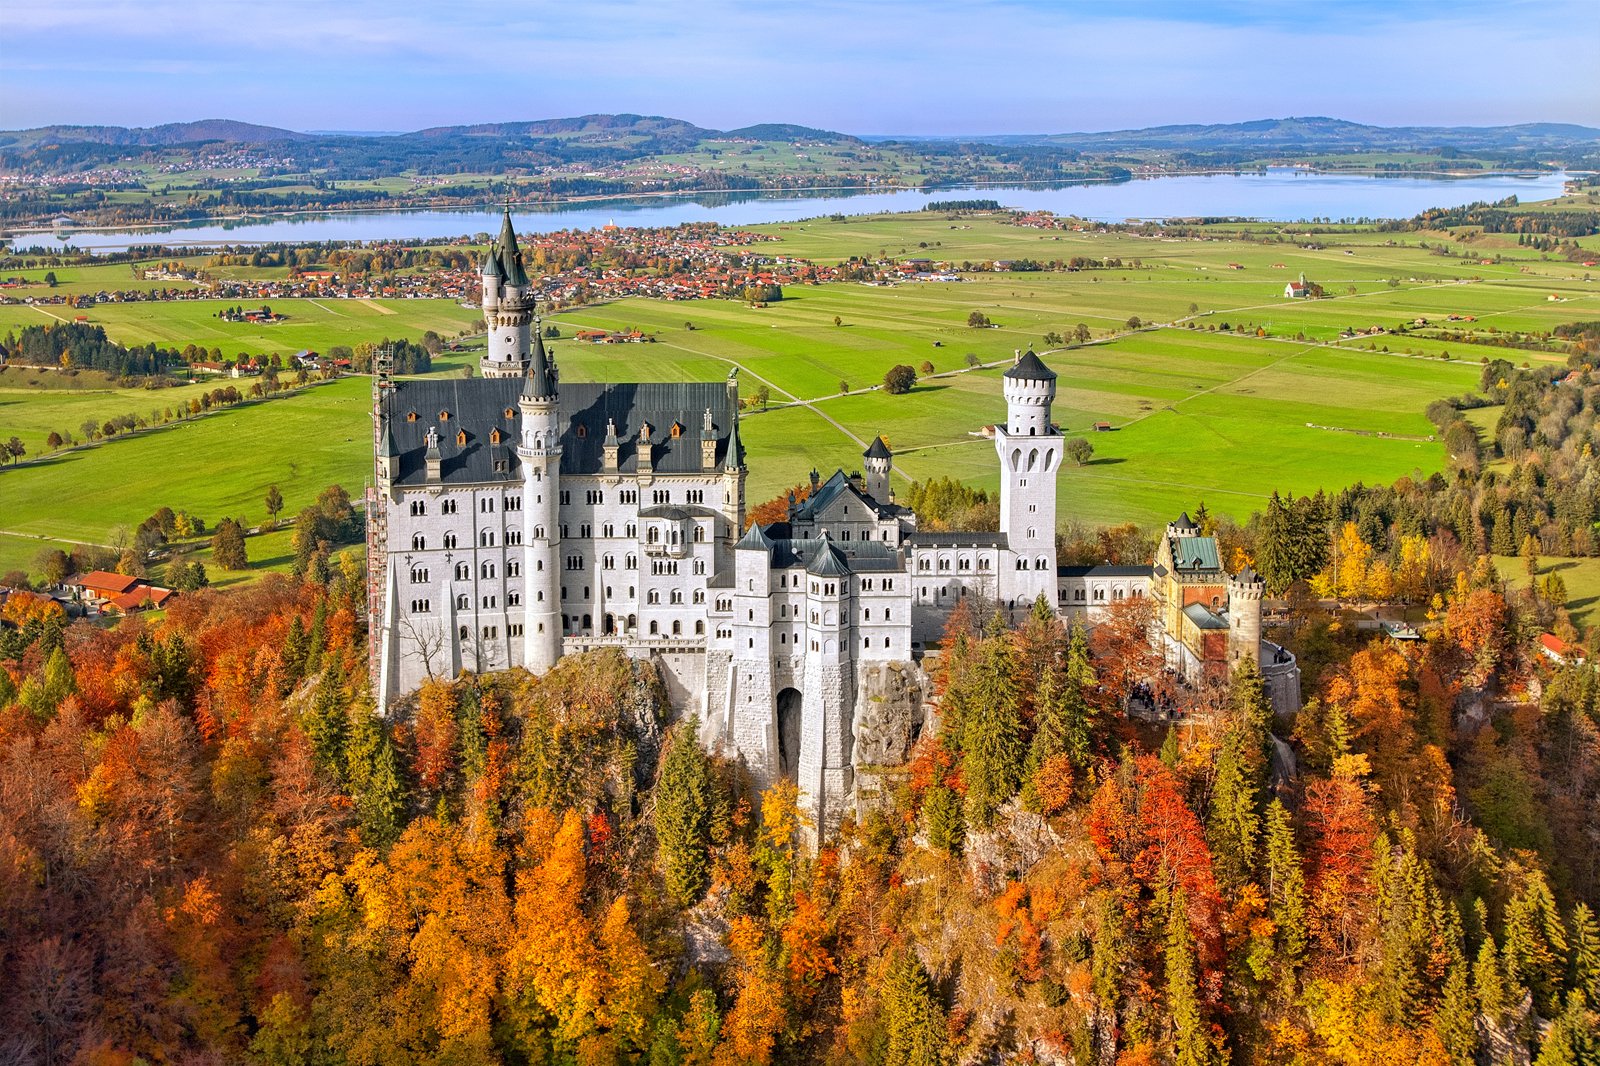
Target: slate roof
827	562
877	450
1196	553
788	551
1203	618
505	258
957	540
1030	368
480	406
838	489
1104	570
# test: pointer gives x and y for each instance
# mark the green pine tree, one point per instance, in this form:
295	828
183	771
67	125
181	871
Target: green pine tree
1171	752
1286	885
376	782
942	820
685	799
1190	1042
327	723
1583	973
1535	951
1455	1021
1574	1037
992	733
913	1019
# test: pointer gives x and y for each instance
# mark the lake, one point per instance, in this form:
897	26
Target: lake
1281	194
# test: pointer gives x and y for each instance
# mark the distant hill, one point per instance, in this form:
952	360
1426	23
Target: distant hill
648	125
783	131
207	129
1315	134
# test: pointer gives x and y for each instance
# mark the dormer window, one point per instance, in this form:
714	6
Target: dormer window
461	439
411	416
444	416
677	431
583	431
494	436
510	413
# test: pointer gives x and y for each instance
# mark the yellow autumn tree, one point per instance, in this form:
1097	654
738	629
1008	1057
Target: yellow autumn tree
1353	556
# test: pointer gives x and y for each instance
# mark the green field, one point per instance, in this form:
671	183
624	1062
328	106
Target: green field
1223	417
314	324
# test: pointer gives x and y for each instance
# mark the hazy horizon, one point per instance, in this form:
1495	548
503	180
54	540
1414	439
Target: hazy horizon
934	68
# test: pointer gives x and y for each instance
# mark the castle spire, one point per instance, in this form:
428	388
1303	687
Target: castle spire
540	383
510	255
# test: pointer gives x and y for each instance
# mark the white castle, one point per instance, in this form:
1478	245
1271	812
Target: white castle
515	518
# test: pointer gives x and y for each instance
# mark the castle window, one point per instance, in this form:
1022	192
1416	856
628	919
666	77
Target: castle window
677	431
419	575
494	436
699	627
463	602
411	416
514	568
418	542
465	633
654	596
699	595
444	416
486	505
513	536
490	632
486	538
487	570
489	601
888	584
511	412
421	607
655	629
1099	595
677	596
566	497
583	431
513	599
419	507
677	628
463	572
585	530
1077	594
514	630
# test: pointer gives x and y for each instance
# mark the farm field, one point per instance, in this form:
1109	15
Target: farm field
1581	576
315	324
1194	414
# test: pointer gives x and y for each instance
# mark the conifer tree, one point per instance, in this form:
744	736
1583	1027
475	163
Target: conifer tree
1489	985
327	723
1405	933
942	819
685	798
1573	1039
913	1020
1170	750
375	780
1455	1021
1285	884
1190	1041
1063	715
1535	951
1233	823
992	732
1584	970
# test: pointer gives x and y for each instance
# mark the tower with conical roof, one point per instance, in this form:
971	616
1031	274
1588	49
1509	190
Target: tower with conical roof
1245	590
879	461
539	450
1030	459
508	310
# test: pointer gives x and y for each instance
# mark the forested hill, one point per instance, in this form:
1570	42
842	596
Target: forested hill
1318	134
210	129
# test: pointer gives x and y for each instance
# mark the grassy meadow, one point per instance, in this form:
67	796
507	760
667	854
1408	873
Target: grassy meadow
1196	413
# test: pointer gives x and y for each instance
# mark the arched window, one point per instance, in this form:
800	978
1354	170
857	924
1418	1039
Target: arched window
418	542
449	540
655	628
463	572
463	602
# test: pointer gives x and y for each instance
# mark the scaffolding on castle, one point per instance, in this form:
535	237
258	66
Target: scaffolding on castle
377	519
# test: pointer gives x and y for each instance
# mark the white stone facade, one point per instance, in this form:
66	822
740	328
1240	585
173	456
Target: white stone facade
523	519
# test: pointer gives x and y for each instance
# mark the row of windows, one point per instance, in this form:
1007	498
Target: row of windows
963	564
1117	593
597	497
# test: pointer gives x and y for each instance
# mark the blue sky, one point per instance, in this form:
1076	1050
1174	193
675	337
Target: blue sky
860	66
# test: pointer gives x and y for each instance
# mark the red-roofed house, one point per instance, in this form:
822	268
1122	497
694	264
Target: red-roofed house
104	584
1558	650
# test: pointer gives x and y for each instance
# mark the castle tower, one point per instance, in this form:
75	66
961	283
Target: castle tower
825	773
1245	590
879	460
507	307
540	453
1030	452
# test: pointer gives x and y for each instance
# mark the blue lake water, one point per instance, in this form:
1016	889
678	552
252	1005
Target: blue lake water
1278	194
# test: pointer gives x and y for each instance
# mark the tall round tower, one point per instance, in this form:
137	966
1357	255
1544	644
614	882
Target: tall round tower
507	307
879	461
1245	590
1030	460
539	450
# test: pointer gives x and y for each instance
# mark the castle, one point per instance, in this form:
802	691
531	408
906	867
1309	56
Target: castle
515	518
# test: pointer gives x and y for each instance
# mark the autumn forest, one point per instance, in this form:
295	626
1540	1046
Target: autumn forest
211	851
